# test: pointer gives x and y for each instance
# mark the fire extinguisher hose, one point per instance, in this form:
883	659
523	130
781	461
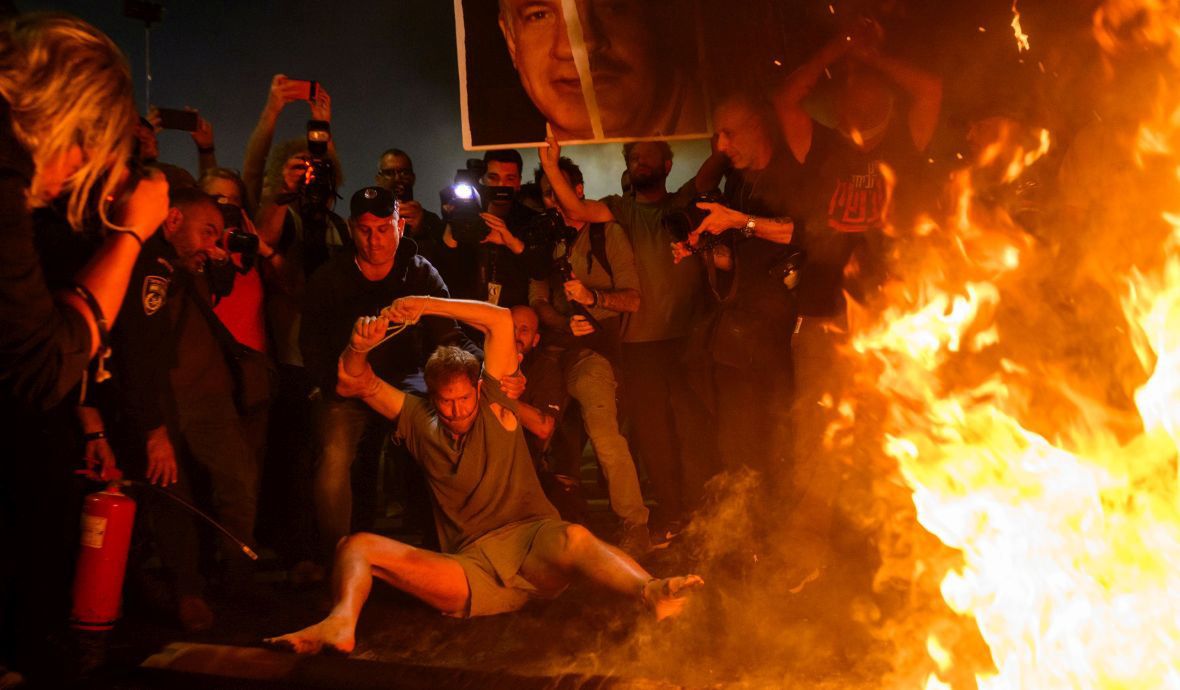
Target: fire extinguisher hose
200	513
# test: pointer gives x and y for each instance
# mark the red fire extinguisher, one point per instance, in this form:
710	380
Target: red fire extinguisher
107	518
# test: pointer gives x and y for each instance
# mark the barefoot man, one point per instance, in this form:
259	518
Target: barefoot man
502	540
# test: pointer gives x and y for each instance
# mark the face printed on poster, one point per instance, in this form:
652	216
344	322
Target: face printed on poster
595	70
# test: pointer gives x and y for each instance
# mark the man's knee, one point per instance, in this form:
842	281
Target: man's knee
575	539
362	544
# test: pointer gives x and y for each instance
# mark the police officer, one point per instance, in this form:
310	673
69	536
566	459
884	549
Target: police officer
177	393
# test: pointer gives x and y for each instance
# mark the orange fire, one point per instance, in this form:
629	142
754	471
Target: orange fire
1065	515
1022	43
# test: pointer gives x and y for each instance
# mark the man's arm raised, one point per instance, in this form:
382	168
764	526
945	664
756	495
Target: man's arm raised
500	358
584	210
788	99
354	375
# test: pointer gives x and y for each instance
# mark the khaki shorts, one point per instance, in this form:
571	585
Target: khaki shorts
492	565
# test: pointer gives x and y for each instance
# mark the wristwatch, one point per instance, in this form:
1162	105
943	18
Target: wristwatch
748	230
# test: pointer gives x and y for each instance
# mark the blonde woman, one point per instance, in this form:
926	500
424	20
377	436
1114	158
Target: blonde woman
66	122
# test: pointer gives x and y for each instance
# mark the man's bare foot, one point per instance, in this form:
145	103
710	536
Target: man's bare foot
666	597
334	634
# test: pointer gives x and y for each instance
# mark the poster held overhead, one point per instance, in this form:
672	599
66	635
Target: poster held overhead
596	70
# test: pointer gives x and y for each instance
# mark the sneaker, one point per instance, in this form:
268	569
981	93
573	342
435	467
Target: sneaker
635	540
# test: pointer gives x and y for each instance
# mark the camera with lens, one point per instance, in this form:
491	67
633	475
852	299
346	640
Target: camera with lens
680	222
237	240
318	187
463	201
545	230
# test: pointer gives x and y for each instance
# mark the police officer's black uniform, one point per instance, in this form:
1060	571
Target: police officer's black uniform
173	371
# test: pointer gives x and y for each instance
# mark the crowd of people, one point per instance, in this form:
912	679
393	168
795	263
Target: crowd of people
277	357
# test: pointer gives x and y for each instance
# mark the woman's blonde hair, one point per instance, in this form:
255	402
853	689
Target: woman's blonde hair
67	84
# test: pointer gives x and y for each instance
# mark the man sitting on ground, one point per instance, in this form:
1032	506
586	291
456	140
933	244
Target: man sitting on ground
502	540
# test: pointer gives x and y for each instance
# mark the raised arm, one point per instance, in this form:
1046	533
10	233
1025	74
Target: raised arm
108	272
500	358
437	330
354	374
282	92
924	89
575	209
206	148
788	99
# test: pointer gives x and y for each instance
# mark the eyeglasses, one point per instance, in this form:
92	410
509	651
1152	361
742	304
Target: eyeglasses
395	172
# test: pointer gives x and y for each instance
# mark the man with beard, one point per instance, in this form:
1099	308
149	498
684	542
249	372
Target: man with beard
503	542
655	336
639	88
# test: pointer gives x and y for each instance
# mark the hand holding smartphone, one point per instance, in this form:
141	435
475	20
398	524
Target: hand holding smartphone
302	89
184	120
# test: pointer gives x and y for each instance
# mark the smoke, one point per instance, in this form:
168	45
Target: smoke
1007	351
1000	332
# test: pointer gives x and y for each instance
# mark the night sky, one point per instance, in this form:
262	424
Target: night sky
389	65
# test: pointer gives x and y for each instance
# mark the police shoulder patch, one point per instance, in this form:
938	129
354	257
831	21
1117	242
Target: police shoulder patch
155	293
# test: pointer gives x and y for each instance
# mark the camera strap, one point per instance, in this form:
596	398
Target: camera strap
598	250
711	273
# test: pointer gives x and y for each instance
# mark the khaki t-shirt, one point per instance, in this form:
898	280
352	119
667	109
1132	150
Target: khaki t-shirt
481	481
671	292
624	274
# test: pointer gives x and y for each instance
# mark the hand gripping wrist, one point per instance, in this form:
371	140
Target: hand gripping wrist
372	383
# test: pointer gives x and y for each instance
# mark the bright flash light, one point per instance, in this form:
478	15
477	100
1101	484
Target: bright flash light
464	191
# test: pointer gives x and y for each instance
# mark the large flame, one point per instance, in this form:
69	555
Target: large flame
1067	526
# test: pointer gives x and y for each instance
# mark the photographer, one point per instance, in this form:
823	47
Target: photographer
239	296
380	267
395	172
63	84
743	346
201	133
677	461
295	207
238	287
147	152
593	283
491	255
294	217
741	349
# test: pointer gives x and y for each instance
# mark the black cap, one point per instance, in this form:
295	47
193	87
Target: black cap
376	200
